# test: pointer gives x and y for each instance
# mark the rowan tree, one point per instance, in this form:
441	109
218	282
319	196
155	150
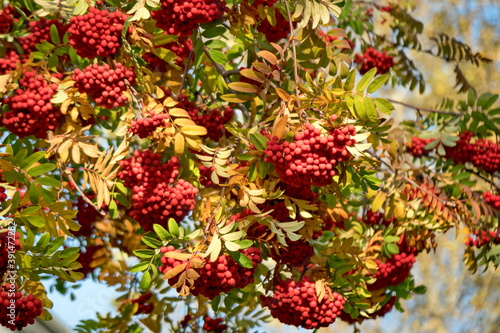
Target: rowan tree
235	160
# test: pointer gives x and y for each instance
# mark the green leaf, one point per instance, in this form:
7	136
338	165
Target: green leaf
420	290
214	32
32	159
36	221
377	83
151	242
41	169
384	106
258	140
162	232
42	242
245	243
218	57
55	245
48	181
349	82
34	193
54	34
144	253
370	110
215	303
462	175
365	80
173	228
241	259
53	61
142	266
145	280
30	210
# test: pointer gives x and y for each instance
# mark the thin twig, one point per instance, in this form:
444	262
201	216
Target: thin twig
225	75
294	52
184	76
87	200
423	109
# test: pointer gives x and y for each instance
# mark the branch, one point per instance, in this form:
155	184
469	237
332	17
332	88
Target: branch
424	109
294	52
87	200
190	58
225	75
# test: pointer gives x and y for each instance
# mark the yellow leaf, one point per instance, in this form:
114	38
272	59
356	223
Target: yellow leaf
283	94
177	112
169	102
184	122
75	153
174	271
4	79
194	130
271	58
234	98
280	127
253	75
179	143
378	201
243	87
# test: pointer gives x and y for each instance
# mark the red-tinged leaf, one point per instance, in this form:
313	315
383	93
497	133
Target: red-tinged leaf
271	58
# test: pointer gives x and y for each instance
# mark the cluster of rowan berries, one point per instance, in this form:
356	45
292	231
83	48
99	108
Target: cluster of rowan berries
106	86
181	18
296	254
9	243
9	62
275	32
215	325
374	59
31	111
417	147
483	237
213	120
492	200
3	195
295	303
157	194
18	311
205	177
376	219
145	305
217	277
6	19
181	48
40	32
311	159
483	154
393	271
144	127
97	33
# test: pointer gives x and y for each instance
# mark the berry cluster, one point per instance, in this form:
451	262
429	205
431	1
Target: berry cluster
145	305
39	32
376	219
279	31
297	254
205	176
144	127
417	147
217	277
104	85
374	59
181	48
393	271
9	62
181	18
3	195
483	154
86	259
86	216
492	200
296	303
483	237
387	8
215	325
31	111
7	247
157	196
311	159
213	120
18	311
6	19
97	33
